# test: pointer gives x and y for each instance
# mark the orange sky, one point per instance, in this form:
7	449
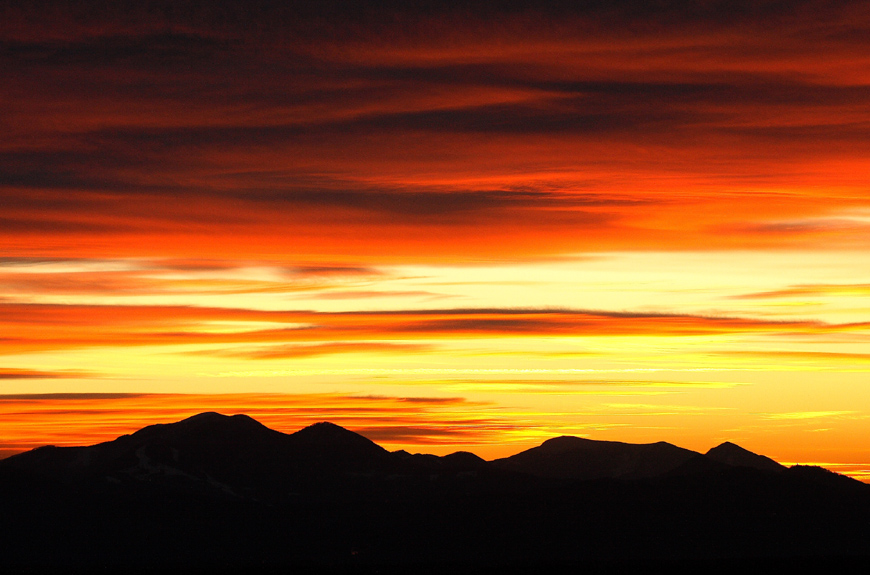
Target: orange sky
473	228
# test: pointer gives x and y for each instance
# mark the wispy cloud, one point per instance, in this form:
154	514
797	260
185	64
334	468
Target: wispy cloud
312	350
44	327
11	373
800	415
157	157
826	357
30	420
143	130
811	290
28	277
360	294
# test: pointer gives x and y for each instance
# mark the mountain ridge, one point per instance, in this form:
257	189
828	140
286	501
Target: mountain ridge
225	493
242	437
569	457
734	455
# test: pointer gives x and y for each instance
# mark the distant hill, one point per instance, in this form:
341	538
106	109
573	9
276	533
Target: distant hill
578	458
235	455
214	492
225	451
734	455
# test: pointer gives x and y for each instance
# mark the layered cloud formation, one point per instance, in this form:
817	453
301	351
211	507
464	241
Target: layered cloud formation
498	204
492	132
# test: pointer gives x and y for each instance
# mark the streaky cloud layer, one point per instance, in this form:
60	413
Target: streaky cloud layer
541	212
137	135
85	418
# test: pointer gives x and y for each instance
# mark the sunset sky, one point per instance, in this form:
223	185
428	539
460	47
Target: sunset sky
444	229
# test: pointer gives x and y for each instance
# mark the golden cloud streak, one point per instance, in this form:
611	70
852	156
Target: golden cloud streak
45	327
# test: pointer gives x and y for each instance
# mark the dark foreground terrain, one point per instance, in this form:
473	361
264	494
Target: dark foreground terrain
225	494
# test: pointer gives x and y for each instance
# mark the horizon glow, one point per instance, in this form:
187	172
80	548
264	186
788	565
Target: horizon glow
463	230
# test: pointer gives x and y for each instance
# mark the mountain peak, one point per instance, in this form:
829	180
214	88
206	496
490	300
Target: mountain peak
325	427
327	446
324	430
736	456
326	434
215	418
564	444
206	416
464	459
571	457
206	425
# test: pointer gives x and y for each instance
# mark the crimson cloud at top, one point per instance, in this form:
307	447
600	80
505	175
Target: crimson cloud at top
566	126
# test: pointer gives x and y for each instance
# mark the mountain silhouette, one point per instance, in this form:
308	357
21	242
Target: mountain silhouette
221	450
227	494
460	461
578	458
235	455
734	455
